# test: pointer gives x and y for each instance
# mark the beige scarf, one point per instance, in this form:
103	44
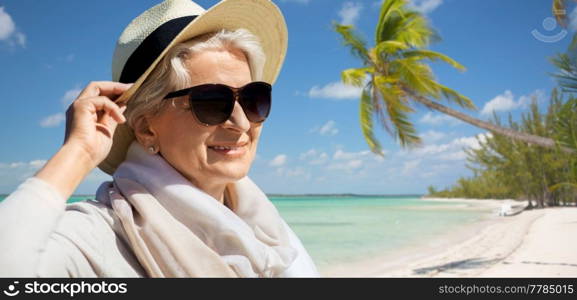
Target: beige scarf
177	230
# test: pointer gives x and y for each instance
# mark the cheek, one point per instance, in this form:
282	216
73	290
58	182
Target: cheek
254	133
182	143
255	138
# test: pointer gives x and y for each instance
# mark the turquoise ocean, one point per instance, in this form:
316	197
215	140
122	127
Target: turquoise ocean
345	229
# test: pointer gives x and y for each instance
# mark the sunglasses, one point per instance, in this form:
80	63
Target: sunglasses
212	104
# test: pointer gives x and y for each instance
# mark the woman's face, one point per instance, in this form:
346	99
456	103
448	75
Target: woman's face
188	145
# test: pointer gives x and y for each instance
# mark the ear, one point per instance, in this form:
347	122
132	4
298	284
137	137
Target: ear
144	132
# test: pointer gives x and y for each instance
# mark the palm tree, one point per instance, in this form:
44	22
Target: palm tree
506	167
567	63
567	75
566	130
395	75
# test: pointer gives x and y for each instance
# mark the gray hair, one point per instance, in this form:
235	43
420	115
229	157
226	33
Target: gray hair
171	74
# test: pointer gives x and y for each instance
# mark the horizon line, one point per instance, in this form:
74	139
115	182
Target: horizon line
284	194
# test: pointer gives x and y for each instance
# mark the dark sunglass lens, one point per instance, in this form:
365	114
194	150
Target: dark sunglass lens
256	101
212	104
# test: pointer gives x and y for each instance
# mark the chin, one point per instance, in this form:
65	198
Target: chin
233	172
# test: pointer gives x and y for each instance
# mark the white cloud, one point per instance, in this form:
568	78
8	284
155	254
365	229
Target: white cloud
507	102
20	39
409	166
308	154
70	96
432	135
52	120
453	150
458	155
342	160
15	165
438	119
327	129
314	157
33	164
14	173
344	170
349	13
346	166
335	91
37	163
471	141
322	159
425	6
278	161
7	26
297	172
342	155
55	119
8	31
351	161
525	100
503	102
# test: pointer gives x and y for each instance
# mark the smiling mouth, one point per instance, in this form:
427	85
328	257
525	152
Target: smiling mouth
224	147
229	150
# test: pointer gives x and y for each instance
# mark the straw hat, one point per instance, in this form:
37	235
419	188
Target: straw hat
146	40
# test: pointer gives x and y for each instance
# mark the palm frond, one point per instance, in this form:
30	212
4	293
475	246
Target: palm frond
388	24
415	30
355	76
567	76
390	47
397	110
453	96
366	118
416	75
351	39
382	117
566	124
433	56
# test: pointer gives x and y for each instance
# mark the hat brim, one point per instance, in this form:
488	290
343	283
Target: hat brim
261	17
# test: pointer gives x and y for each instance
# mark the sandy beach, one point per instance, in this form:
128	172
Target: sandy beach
534	243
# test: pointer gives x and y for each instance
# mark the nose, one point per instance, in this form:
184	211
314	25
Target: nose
238	120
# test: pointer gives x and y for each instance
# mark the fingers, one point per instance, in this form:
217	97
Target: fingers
109	108
108	89
111	125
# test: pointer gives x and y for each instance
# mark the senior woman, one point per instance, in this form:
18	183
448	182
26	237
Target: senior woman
177	129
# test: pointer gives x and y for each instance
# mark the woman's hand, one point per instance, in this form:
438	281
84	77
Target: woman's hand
90	123
92	118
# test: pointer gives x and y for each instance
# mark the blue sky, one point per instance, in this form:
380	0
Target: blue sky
312	142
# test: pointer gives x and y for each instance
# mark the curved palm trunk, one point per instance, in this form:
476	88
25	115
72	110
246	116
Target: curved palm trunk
519	136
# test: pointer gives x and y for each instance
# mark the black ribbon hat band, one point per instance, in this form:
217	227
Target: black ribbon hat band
152	46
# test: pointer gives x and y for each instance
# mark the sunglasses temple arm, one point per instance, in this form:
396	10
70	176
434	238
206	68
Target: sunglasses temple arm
175	94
